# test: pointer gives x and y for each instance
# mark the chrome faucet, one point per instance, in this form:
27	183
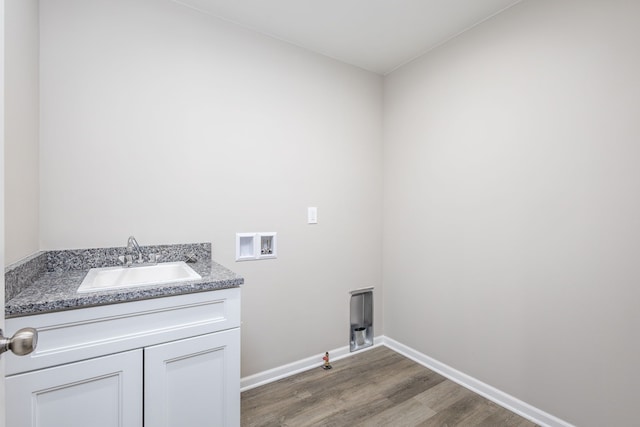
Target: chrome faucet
132	244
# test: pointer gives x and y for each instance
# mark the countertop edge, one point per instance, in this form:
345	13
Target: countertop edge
100	299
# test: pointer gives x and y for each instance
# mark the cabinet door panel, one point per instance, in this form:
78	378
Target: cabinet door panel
194	382
101	392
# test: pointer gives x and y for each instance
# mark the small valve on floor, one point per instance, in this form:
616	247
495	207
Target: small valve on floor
326	365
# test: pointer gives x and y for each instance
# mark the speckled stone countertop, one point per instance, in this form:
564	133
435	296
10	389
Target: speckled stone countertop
56	288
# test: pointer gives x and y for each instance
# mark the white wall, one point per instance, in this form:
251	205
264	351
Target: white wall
21	130
164	123
512	206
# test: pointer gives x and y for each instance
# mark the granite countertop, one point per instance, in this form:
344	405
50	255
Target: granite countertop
56	290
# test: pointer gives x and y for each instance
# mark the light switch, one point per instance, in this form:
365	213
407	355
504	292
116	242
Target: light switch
312	215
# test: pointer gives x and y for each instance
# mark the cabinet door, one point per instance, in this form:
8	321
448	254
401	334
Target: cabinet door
193	382
101	392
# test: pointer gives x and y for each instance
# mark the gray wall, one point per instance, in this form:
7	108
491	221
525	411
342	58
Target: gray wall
512	206
165	123
511	199
2	215
21	130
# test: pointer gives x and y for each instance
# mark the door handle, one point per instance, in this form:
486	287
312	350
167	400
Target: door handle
21	343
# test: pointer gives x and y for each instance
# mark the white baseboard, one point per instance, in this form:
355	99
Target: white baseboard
503	399
275	374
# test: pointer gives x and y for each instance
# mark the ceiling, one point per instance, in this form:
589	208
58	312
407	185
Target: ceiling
377	35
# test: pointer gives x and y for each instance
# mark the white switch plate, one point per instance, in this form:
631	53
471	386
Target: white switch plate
312	215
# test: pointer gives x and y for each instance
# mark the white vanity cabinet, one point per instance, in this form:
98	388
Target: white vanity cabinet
100	392
193	382
172	361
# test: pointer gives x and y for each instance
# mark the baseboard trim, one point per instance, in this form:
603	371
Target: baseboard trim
275	374
501	398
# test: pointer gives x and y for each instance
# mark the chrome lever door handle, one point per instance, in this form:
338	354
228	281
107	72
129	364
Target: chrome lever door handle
21	343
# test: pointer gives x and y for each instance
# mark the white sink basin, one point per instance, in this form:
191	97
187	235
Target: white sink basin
100	279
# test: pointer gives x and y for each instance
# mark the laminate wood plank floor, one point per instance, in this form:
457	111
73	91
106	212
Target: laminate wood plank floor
378	387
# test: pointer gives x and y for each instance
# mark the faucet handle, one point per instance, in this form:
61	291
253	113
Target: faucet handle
154	258
126	260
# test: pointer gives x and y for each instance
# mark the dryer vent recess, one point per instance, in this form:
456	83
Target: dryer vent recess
361	323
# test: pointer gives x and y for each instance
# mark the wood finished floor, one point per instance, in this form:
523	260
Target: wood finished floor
373	388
